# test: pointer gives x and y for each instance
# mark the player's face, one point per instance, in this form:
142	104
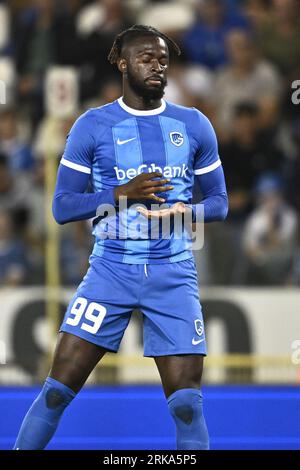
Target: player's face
147	65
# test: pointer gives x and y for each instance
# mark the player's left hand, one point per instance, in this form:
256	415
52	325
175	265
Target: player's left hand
177	208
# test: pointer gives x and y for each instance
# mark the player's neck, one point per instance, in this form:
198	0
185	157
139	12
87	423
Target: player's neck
139	103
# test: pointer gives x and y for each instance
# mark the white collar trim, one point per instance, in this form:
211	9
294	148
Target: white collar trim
136	112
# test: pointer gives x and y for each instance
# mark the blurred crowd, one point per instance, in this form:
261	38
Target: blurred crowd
239	60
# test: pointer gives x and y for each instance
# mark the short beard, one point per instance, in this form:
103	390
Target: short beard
141	89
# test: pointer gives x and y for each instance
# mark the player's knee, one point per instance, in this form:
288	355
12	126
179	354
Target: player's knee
184	412
185	405
54	398
57	395
186	408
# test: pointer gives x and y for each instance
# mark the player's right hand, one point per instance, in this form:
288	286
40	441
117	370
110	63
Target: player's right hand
144	187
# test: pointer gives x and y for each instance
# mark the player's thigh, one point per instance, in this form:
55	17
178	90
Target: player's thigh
180	371
74	360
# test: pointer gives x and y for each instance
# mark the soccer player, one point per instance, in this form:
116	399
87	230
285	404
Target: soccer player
147	150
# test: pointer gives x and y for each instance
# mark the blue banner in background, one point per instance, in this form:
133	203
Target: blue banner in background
137	417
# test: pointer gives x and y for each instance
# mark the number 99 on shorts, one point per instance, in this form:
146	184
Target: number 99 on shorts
90	315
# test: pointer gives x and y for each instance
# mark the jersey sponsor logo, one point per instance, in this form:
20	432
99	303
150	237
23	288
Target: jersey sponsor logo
122	142
176	138
167	171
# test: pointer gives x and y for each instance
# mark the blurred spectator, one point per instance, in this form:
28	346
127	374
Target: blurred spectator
204	42
98	24
258	13
4	28
35	41
247	77
111	91
76	246
270	235
191	85
280	37
294	193
37	222
199	82
108	92
172	17
8	82
14	192
176	91
51	136
68	50
18	152
245	157
44	38
13	263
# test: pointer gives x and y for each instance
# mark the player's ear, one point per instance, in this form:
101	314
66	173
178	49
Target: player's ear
122	65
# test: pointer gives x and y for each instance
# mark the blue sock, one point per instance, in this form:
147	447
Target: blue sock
42	419
186	408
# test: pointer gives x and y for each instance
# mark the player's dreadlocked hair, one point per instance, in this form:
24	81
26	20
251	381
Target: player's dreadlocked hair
136	30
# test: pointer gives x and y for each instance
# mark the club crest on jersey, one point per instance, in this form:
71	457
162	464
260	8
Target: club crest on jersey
176	138
199	327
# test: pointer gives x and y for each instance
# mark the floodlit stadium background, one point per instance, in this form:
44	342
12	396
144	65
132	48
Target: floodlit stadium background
240	66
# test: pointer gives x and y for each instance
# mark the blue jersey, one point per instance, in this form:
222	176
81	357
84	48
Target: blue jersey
115	143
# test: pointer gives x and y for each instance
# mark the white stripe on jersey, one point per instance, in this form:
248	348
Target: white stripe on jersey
207	169
75	166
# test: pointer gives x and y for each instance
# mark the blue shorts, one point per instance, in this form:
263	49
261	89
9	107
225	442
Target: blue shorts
166	294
